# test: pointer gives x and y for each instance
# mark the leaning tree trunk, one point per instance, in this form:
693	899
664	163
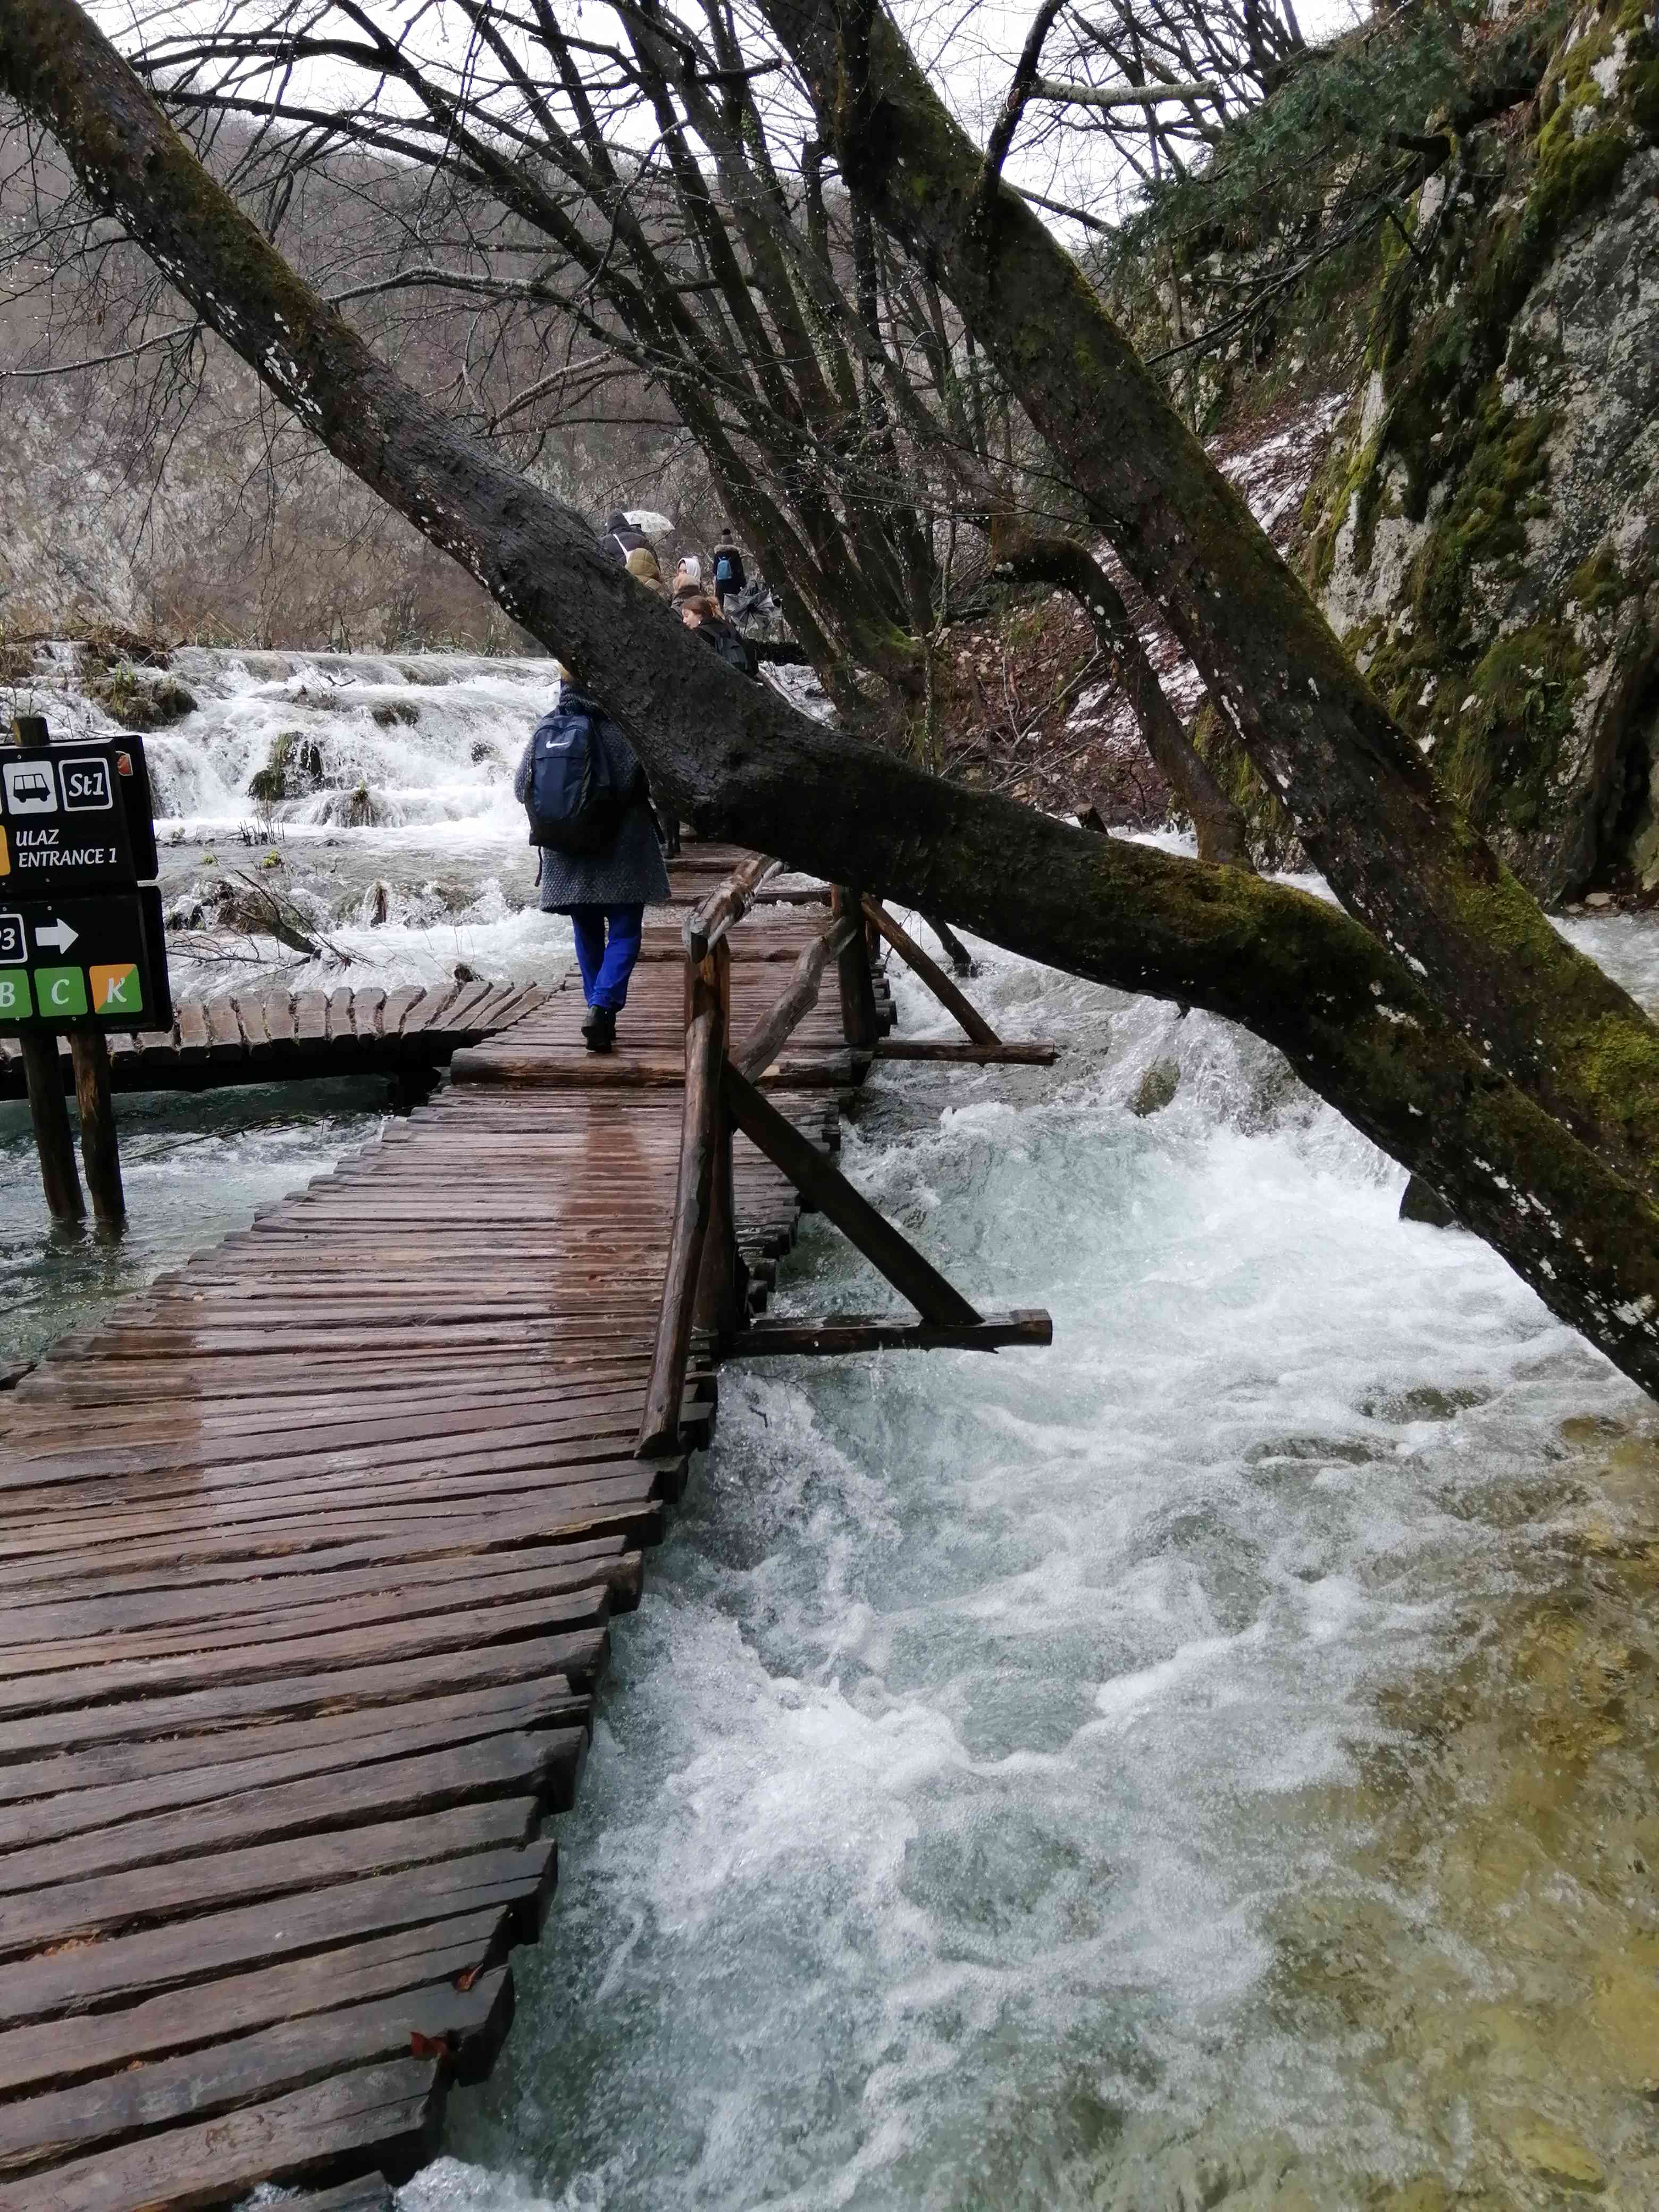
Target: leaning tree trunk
1351	1019
1395	849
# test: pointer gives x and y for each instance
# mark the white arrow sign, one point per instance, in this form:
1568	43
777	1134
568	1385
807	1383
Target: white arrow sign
57	933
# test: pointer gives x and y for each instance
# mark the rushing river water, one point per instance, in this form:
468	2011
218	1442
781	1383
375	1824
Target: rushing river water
1208	1763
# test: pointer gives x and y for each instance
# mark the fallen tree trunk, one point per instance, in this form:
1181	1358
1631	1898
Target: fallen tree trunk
1397	851
1352	1019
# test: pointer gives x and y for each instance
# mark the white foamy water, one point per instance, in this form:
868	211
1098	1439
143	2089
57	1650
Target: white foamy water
988	1725
1099	1777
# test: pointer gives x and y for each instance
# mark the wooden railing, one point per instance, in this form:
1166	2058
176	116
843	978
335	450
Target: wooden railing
705	1289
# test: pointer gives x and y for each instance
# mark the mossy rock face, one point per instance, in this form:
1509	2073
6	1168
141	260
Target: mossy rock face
294	767
1484	533
141	702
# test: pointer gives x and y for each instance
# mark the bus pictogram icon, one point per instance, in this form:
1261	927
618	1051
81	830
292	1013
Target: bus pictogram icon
30	787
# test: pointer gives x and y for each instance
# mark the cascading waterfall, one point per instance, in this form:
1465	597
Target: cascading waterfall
1205	1763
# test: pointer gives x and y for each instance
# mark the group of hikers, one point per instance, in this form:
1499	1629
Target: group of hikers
601	839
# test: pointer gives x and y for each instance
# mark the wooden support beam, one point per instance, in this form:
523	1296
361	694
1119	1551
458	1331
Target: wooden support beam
829	1190
53	1139
932	974
860	1023
843	1333
796	1001
100	1152
1033	1052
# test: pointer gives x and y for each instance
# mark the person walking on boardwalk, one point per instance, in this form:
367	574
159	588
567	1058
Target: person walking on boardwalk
582	786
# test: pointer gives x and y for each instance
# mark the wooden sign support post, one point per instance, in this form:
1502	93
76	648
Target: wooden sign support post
99	1149
82	941
53	1139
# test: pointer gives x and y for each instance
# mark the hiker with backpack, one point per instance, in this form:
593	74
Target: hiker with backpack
620	537
729	577
582	784
700	613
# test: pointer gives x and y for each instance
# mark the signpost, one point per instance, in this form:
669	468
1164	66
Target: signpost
83	949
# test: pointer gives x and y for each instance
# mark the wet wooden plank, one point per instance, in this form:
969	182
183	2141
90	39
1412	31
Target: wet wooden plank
103	1905
249	2068
543	1764
221	2160
513	1885
75	2048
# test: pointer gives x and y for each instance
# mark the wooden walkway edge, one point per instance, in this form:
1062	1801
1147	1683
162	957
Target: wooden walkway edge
309	1557
268	1035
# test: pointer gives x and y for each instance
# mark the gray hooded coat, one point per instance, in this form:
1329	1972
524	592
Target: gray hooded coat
629	872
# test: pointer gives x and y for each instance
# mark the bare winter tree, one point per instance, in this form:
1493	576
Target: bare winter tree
1151	83
562	228
1448	1021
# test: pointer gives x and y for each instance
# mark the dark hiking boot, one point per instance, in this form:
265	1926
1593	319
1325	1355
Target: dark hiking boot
599	1028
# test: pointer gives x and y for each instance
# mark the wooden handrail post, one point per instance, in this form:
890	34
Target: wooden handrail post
100	1152
702	1283
722	1284
859	1022
53	1139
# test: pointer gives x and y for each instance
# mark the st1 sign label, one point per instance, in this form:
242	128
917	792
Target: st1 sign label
67	962
74	818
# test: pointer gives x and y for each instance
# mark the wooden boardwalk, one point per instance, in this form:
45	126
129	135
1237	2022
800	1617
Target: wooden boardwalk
268	1035
308	1556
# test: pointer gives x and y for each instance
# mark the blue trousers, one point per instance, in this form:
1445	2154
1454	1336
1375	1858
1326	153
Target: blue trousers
606	961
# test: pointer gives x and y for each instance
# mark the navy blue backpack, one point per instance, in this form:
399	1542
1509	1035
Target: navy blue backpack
573	801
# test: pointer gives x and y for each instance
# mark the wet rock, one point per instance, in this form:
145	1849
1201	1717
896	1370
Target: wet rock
1555	2156
1156	1088
293	766
142	703
1419	1201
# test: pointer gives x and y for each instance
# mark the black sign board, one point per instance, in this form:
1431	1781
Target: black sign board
74	818
66	962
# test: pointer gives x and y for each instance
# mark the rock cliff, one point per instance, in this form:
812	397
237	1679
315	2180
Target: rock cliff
1485	530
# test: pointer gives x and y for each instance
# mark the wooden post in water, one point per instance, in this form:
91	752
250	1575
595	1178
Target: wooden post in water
858	1018
722	1285
53	1139
99	1148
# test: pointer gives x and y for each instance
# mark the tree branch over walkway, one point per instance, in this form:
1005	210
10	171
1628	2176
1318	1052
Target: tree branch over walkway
1353	1020
1396	849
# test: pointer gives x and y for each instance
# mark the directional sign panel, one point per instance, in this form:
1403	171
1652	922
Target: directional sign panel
64	962
74	818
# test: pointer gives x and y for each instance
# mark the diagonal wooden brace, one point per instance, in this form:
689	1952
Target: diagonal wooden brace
932	976
897	1259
